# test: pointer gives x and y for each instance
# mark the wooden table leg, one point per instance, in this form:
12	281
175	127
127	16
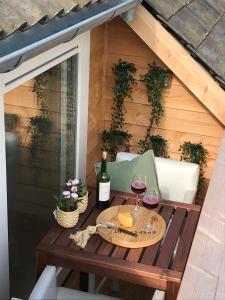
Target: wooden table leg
84	282
41	262
172	290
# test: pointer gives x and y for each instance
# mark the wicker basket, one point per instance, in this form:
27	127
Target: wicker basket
82	205
67	219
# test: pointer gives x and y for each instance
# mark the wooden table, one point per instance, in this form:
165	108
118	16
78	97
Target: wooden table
157	266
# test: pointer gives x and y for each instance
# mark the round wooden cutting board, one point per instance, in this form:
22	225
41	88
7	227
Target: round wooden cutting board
143	238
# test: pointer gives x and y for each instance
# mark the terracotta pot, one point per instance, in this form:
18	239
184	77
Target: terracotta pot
82	205
67	219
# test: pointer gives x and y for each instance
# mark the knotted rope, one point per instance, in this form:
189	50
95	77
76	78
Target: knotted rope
81	237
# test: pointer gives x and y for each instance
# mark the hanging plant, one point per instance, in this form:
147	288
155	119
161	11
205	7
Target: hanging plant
195	153
39	127
115	137
12	121
157	143
124	83
155	80
39	88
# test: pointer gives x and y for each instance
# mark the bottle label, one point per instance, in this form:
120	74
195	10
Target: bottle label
104	191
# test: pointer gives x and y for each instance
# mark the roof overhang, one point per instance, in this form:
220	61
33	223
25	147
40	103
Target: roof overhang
23	45
180	61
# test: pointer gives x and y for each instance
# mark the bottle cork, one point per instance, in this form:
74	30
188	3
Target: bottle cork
104	154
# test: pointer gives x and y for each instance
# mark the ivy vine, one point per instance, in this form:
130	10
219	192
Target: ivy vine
39	126
115	138
155	81
195	153
123	71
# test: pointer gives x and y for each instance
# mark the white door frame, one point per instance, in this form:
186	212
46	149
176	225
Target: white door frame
29	69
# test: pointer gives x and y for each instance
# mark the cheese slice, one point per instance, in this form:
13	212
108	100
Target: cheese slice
125	219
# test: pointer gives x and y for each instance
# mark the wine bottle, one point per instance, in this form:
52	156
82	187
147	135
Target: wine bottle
103	185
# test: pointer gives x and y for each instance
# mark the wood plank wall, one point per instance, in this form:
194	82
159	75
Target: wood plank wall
96	109
185	118
44	177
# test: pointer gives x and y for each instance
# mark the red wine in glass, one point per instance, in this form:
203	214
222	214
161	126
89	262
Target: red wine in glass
138	186
151	198
150	201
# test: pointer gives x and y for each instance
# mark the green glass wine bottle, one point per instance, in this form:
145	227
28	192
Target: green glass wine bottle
103	185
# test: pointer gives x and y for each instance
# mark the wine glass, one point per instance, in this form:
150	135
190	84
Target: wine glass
138	186
151	199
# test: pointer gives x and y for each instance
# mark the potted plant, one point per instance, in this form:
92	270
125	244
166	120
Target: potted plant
74	200
80	189
197	154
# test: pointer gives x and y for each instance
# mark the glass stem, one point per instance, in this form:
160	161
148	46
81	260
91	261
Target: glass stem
137	202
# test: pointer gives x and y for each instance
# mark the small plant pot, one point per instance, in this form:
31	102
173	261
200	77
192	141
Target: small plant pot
67	219
82	205
118	141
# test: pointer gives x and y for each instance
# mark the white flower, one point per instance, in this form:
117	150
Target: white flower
69	183
66	193
68	196
75	181
73	189
74	195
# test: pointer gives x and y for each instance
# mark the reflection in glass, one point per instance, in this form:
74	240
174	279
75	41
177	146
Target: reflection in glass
40	121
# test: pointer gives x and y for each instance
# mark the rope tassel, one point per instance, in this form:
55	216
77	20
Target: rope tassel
81	237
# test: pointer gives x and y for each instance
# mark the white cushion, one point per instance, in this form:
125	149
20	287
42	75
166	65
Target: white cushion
178	180
126	156
158	295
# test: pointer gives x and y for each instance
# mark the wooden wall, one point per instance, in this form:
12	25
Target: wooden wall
36	183
185	119
96	109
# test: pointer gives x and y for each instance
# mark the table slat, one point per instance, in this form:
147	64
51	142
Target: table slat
53	234
119	252
184	205
185	241
151	252
166	251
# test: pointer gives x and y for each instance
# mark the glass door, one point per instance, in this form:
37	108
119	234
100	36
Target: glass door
40	125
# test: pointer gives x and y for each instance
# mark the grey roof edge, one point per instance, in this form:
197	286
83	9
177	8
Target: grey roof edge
41	38
191	50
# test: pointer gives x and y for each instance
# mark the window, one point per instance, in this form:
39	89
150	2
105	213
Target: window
46	137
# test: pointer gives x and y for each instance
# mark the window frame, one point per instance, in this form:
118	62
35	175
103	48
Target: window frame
79	46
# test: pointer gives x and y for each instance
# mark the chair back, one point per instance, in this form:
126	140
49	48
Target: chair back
45	288
178	180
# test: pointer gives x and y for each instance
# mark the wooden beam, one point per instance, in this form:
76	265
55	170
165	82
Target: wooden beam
182	64
204	276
